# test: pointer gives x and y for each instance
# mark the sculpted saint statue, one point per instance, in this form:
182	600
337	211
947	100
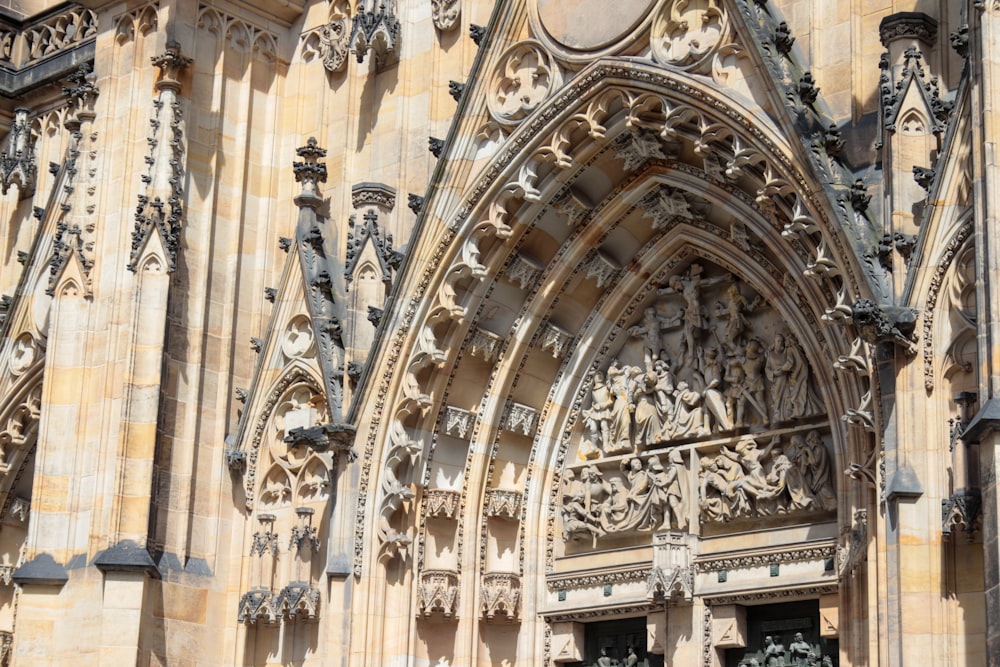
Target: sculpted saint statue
711	370
599	414
788	375
647	414
619	440
820	479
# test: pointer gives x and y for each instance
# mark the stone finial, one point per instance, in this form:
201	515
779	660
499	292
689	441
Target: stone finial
170	64
310	172
82	96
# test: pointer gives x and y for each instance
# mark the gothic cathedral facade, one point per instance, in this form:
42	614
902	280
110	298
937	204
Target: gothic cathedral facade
457	333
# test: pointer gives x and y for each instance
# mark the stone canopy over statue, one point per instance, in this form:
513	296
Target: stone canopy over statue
706	414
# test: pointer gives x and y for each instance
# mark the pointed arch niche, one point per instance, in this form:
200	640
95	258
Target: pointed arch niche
618	391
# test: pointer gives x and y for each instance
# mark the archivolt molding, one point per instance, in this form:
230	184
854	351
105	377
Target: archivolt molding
941	269
646	99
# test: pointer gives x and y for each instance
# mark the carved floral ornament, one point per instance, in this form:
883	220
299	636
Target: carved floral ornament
483	233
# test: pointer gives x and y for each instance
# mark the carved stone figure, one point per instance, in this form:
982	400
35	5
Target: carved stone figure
647	415
735	310
738	484
689	418
820	478
788	375
672	484
599	414
619	438
711	370
689	287
774	652
799	651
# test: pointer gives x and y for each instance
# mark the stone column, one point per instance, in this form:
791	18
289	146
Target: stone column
984	62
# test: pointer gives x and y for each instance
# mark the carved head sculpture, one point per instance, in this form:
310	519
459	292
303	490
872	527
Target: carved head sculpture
754	348
675	457
779	341
654	464
632	463
696	270
598	379
813	438
746	445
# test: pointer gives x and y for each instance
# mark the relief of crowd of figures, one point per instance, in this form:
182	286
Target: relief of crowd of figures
696	368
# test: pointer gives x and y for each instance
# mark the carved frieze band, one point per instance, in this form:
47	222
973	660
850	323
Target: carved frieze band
761	559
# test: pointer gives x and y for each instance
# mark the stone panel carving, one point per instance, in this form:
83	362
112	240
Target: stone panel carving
438	593
519	418
523	78
457	422
504	503
640	496
485	344
554	339
755	481
445	13
501	596
442	503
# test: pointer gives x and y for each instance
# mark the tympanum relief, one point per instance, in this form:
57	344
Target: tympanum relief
708	414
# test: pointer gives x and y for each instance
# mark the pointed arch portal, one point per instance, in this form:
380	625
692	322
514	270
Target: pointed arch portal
622	356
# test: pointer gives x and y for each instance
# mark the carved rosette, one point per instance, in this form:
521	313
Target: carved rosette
445	14
438	593
688	33
500	596
525	76
442	503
